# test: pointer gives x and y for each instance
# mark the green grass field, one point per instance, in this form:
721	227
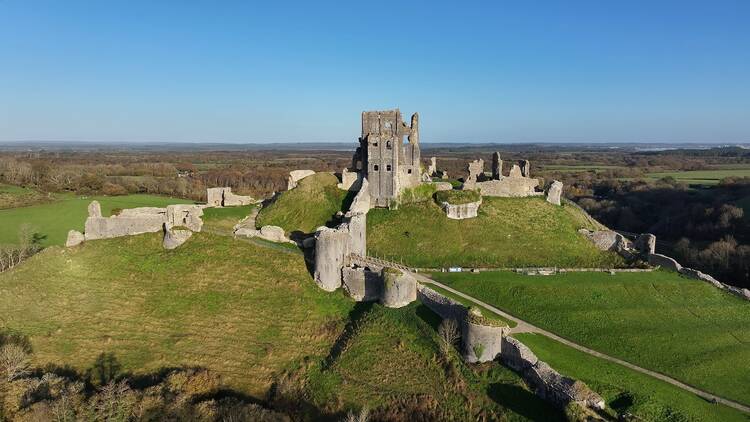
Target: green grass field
509	232
684	328
580	167
702	177
310	205
627	391
69	212
253	315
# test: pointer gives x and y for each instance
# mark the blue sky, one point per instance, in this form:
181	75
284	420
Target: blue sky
521	71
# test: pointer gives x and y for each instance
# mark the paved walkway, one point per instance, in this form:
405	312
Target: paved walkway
526	327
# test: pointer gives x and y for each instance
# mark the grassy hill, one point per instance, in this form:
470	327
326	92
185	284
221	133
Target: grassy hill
68	212
308	206
251	314
684	328
509	232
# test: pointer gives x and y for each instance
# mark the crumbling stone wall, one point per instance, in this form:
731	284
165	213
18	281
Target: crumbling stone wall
461	211
223	197
516	184
134	221
98	227
546	382
442	305
555	192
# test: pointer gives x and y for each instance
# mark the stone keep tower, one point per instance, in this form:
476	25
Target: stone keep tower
389	164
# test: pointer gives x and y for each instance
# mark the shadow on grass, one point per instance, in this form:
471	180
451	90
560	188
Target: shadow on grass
352	327
523	402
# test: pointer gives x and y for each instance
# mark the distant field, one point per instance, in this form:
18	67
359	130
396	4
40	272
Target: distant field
68	212
627	391
702	177
251	314
312	204
681	327
579	167
509	232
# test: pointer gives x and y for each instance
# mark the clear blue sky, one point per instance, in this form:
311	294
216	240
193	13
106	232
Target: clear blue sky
272	71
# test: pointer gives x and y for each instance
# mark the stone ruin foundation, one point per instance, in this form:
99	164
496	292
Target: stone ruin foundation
517	183
223	197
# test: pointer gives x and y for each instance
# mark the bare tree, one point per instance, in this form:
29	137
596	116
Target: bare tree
362	416
14	361
449	335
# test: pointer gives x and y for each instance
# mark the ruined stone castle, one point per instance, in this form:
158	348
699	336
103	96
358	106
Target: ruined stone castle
384	159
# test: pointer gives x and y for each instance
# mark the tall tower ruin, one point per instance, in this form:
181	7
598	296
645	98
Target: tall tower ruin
389	163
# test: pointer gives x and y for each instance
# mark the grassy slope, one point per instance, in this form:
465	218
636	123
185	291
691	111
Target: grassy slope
308	206
230	306
684	328
247	312
383	345
224	219
508	232
627	391
54	219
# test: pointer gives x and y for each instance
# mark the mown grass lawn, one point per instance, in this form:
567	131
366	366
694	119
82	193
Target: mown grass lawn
68	212
683	328
627	391
509	232
312	204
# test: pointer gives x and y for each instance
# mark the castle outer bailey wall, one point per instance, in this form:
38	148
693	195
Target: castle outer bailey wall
442	305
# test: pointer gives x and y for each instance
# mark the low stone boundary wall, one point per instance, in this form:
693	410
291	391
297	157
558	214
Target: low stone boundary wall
544	380
442	305
671	264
